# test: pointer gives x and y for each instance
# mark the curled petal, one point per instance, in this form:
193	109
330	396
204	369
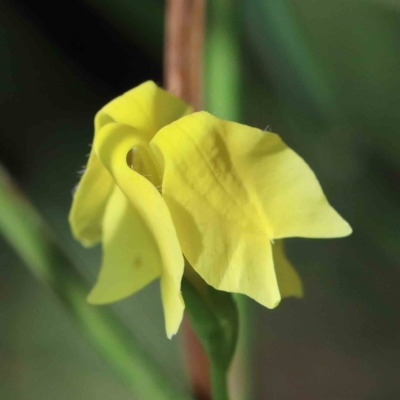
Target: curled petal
147	108
112	145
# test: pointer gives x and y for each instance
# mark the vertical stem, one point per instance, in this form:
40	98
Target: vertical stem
219	384
223	60
223	94
184	39
197	362
183	72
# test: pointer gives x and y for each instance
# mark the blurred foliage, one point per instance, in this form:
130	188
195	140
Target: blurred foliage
43	254
326	76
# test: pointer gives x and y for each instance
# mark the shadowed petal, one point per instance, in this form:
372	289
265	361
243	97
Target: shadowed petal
131	258
289	281
89	203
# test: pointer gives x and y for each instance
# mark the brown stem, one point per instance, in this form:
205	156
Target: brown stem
183	69
197	363
184	40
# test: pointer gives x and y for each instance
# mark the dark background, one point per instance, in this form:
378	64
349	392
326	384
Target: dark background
324	75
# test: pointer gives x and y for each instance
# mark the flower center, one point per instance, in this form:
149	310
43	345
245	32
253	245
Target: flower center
141	160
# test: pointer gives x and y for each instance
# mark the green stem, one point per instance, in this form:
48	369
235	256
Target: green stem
219	383
222	62
27	233
223	94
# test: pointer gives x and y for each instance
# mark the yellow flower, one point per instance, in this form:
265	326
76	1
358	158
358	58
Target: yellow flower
162	183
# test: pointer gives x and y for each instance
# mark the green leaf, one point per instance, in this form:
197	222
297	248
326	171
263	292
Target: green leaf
214	318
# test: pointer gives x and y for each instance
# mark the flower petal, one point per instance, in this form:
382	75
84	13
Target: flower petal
231	189
217	224
225	256
252	174
146	108
89	202
288	191
112	144
131	258
289	281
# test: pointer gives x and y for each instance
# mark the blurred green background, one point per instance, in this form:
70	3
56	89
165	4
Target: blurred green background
325	76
